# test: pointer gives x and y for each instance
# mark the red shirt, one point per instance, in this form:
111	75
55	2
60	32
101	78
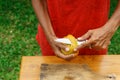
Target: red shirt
74	17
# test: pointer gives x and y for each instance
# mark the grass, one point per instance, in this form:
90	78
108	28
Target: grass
18	27
114	48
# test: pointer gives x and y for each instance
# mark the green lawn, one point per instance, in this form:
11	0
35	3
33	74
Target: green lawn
18	27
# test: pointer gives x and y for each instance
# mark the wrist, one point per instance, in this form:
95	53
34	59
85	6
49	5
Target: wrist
51	38
111	25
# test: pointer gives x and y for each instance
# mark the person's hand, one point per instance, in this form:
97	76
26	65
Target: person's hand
97	38
57	46
100	38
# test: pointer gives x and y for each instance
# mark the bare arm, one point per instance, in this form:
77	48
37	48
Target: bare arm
40	8
114	21
100	38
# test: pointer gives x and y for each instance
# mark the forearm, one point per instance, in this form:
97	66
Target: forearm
114	21
40	8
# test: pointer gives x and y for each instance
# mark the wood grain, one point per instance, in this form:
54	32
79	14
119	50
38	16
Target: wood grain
72	71
103	64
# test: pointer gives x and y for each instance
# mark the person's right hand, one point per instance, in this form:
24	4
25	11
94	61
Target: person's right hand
57	46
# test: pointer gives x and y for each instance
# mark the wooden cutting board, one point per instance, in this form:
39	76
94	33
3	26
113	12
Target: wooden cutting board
71	72
102	64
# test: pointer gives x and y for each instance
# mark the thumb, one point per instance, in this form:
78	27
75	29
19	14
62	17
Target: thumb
85	36
86	43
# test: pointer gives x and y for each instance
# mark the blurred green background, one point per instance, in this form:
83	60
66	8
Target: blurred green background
18	27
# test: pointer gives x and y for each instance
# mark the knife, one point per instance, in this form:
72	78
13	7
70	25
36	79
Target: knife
67	41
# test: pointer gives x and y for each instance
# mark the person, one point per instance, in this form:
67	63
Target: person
84	19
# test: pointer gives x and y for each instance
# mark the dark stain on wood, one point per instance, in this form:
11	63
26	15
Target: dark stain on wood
71	72
68	78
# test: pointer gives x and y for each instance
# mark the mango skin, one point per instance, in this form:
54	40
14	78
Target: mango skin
72	46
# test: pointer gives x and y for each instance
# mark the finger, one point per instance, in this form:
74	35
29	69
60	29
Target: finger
58	53
99	45
105	45
62	46
109	42
76	53
85	36
86	43
69	57
66	57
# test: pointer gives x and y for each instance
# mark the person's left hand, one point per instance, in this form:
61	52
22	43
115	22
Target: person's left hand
97	38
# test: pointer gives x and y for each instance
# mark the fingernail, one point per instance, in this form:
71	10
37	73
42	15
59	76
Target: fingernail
75	49
86	40
73	55
79	38
67	49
